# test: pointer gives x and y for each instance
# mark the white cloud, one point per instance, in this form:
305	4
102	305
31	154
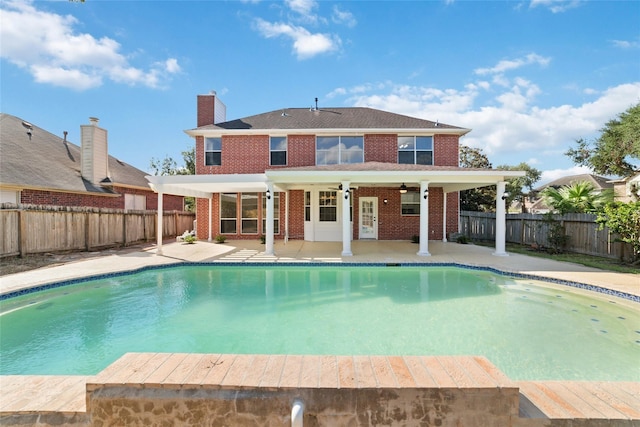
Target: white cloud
54	53
626	44
303	7
513	64
343	17
305	44
556	6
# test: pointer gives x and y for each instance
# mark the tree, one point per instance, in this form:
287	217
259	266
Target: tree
614	152
519	188
579	197
168	166
476	199
624	220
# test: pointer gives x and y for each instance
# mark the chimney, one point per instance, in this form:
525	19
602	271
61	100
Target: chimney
210	109
94	158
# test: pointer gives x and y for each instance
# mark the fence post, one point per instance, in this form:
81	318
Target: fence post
22	233
124	229
87	229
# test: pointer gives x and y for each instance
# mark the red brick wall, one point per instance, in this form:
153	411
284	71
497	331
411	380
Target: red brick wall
206	109
381	148
58	198
301	150
445	150
296	214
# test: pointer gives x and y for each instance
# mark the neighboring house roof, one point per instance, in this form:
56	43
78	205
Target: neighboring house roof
45	161
600	183
353	118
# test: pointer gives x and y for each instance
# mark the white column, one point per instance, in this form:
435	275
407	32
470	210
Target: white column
501	227
286	217
268	250
346	220
210	213
444	216
159	230
424	219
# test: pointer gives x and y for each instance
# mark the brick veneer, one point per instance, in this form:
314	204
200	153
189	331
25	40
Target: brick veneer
246	154
59	198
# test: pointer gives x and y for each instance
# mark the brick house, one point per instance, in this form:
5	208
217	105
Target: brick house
327	174
40	168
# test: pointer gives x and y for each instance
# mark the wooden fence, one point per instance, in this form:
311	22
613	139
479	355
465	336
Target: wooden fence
37	229
585	237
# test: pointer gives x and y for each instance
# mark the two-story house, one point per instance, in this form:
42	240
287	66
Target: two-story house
327	174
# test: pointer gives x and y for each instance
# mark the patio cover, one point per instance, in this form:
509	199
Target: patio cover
449	178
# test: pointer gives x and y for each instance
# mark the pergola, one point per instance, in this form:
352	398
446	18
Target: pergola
450	179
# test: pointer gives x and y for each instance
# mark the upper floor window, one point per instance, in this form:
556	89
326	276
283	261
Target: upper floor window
415	150
278	150
331	150
213	151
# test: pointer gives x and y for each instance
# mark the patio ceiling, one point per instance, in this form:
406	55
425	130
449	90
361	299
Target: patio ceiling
370	174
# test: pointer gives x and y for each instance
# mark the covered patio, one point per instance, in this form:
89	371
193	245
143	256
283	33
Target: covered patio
348	178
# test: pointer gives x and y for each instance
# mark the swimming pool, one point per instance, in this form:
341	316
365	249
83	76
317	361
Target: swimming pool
531	331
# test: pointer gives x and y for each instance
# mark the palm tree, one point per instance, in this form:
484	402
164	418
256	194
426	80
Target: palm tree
579	197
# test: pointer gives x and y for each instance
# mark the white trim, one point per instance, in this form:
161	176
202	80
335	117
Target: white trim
212	133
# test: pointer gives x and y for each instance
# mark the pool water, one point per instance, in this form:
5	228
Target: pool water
531	331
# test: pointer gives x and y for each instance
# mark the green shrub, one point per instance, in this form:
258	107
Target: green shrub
463	240
220	238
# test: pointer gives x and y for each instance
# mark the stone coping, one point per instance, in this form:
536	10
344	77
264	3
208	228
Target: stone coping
599	289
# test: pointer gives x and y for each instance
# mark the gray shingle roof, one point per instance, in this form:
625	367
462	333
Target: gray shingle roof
599	182
329	118
45	161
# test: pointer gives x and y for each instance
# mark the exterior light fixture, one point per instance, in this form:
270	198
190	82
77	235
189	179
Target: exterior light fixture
505	195
268	194
425	194
346	194
385	201
403	188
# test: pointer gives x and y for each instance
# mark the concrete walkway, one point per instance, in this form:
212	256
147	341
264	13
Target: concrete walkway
319	252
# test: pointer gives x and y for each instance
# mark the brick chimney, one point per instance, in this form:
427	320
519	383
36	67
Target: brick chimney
210	109
94	159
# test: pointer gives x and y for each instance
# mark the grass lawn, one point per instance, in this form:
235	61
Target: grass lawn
587	260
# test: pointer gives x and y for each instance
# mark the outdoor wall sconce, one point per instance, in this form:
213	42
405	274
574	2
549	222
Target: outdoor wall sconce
505	195
426	193
268	194
385	201
346	194
403	188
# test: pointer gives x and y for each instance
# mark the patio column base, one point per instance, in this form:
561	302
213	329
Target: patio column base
346	253
423	253
500	254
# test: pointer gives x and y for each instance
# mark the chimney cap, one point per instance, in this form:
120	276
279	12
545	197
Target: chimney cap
94	120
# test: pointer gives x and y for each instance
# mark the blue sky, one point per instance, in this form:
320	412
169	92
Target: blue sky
528	77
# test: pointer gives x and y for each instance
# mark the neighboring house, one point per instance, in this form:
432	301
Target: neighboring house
327	174
599	183
40	168
627	189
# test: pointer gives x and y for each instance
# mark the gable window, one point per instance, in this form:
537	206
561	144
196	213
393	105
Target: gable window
228	211
415	150
410	203
213	151
332	150
276	213
278	150
328	204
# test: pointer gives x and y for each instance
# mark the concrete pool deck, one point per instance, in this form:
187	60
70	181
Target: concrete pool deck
51	399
